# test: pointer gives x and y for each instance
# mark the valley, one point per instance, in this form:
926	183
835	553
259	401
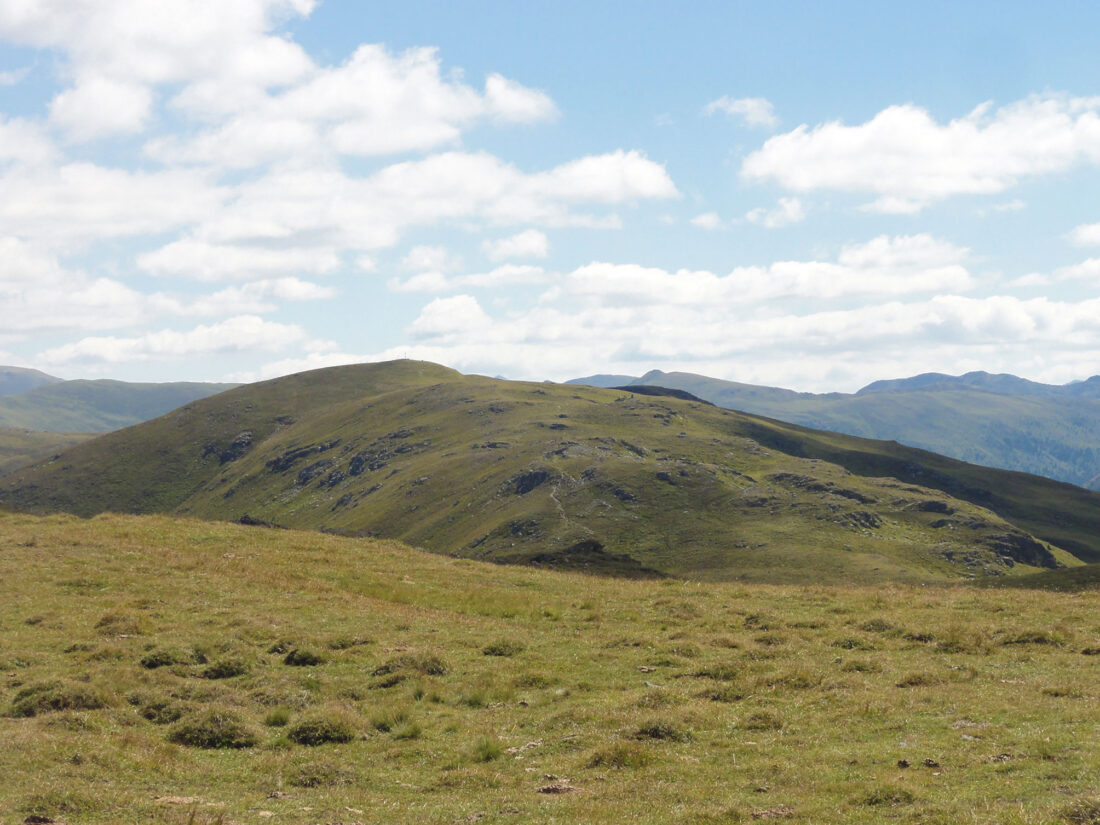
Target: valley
606	481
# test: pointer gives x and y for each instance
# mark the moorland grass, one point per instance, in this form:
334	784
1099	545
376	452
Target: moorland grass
626	701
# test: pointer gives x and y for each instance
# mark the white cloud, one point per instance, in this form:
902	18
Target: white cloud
830	350
450	319
421	282
37	293
99	107
904	265
117	51
509	101
257	297
708	220
25	142
1086	235
908	160
615	177
421	258
754	111
1086	272
202	261
78	203
13	77
527	244
504	275
243	333
376	103
786	212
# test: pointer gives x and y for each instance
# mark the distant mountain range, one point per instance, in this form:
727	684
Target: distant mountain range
996	420
19	379
35	401
636	484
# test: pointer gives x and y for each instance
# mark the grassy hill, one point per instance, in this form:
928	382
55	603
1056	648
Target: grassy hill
21	447
97	406
20	379
994	420
569	477
176	671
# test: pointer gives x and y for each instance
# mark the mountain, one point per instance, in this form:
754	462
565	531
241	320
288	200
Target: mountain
606	381
96	406
569	476
995	420
19	379
21	447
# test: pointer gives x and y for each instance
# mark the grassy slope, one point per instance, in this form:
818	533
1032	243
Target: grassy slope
21	447
20	379
418	452
97	406
1055	436
647	702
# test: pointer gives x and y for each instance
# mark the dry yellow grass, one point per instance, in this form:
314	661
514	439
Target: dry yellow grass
470	692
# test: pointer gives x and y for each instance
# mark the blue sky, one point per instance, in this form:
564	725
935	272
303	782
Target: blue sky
797	194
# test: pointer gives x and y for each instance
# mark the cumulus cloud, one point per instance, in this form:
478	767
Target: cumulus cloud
1087	272
707	220
13	77
1086	235
191	258
903	265
784	213
504	275
909	160
422	258
24	142
375	103
754	111
527	244
243	333
122	49
78	203
450	319
826	350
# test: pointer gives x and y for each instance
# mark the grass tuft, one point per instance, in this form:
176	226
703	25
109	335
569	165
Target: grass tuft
620	755
213	728
50	697
301	657
503	647
322	729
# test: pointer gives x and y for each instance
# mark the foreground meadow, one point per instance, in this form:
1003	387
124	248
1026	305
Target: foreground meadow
160	670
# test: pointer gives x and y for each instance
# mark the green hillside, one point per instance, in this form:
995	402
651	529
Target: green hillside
97	406
993	420
172	671
21	447
20	379
569	477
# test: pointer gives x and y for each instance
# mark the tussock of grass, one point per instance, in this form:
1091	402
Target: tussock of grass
322	774
322	729
503	647
762	720
620	755
425	664
487	750
662	729
213	728
50	697
228	668
887	795
301	657
165	657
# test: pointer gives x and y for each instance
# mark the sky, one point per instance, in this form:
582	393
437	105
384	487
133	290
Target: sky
797	194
